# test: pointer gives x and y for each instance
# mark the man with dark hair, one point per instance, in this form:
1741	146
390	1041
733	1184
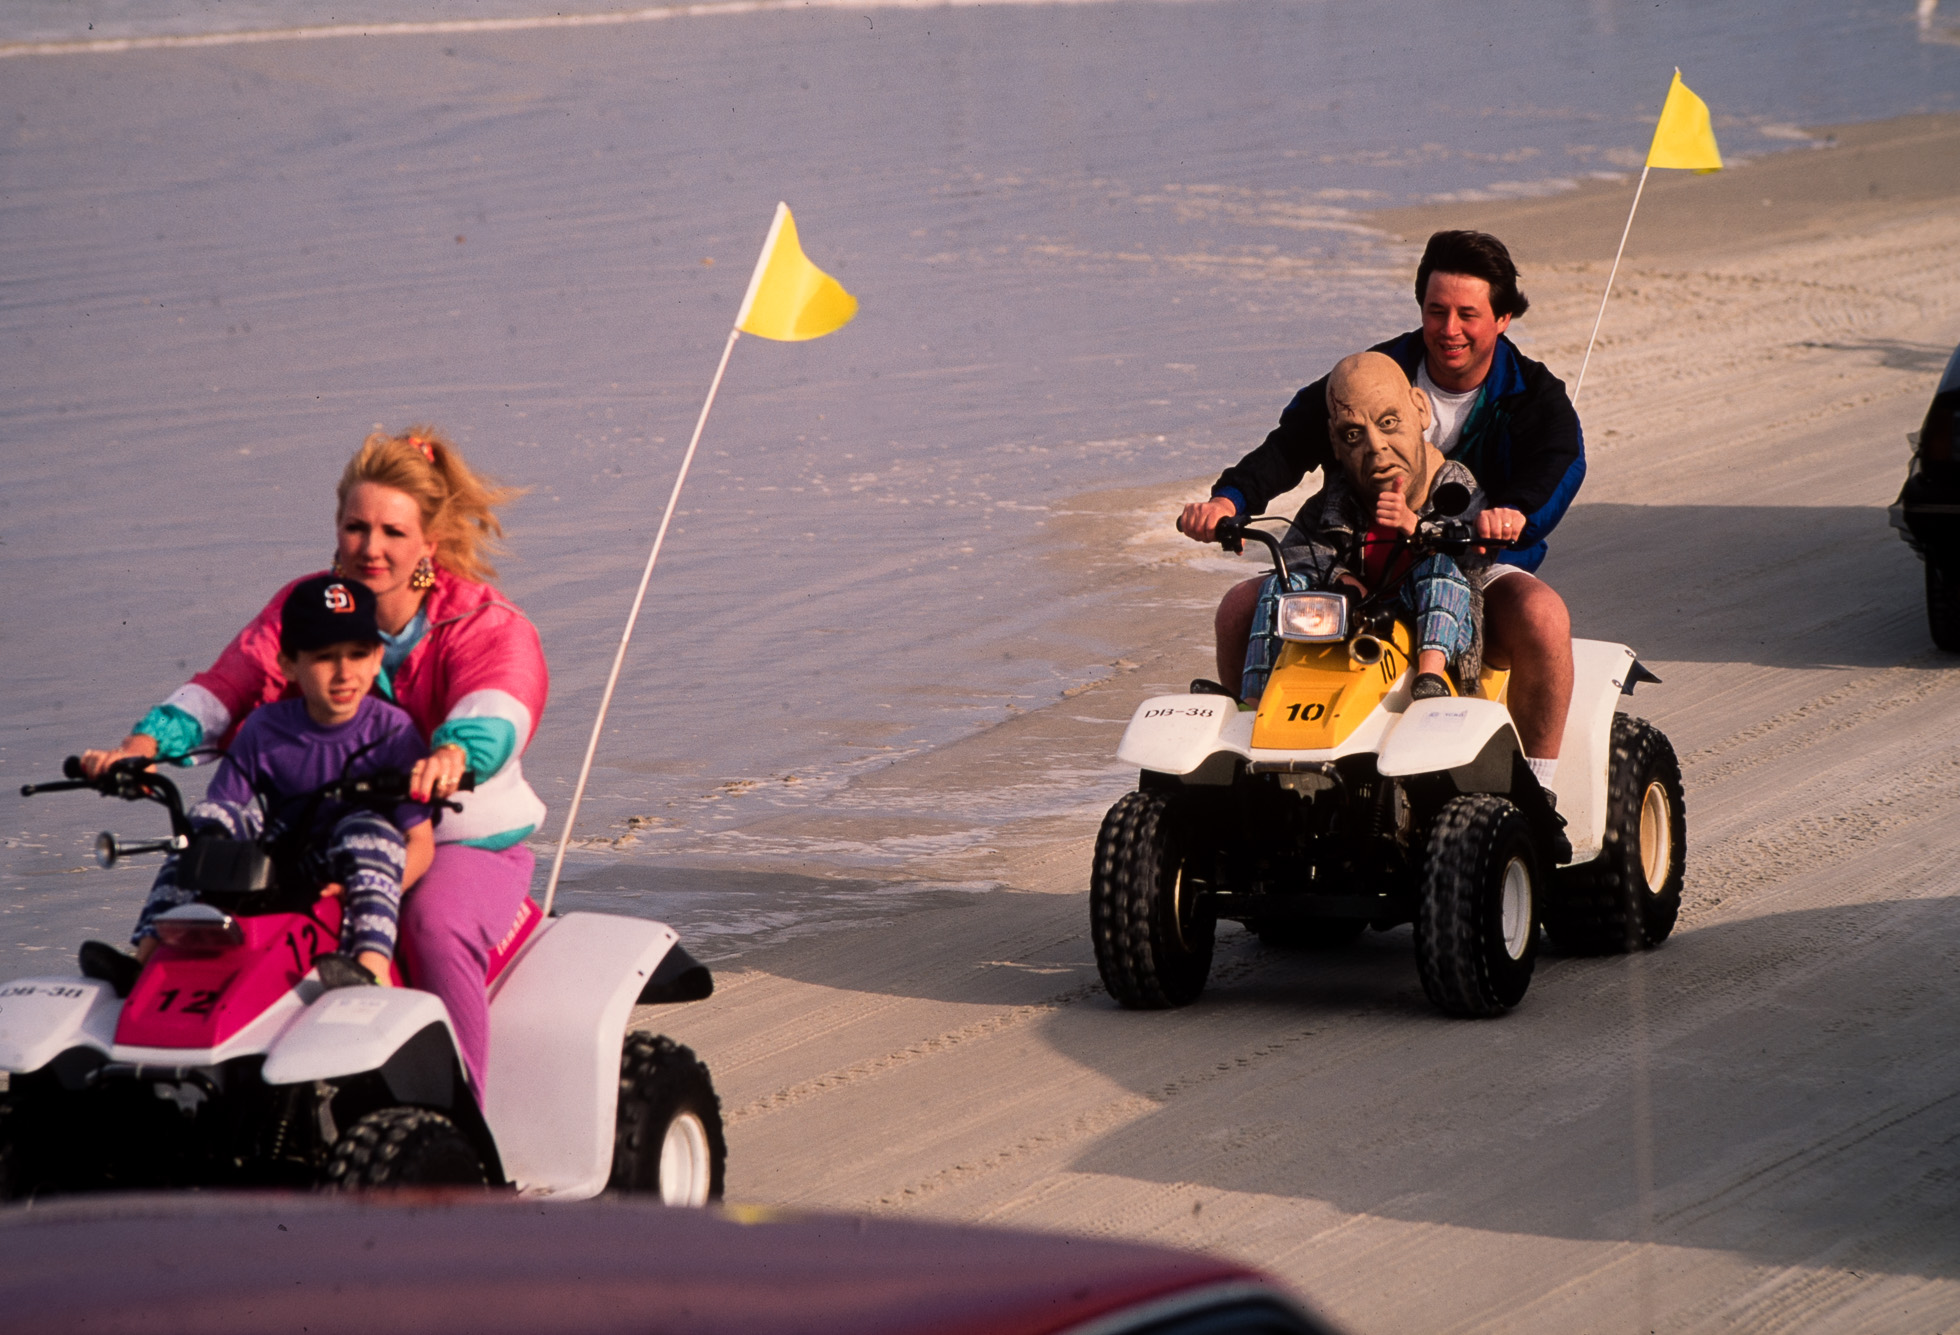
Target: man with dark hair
1500	414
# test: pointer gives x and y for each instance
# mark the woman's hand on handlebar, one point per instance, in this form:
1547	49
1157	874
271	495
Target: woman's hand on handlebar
1199	521
438	773
137	744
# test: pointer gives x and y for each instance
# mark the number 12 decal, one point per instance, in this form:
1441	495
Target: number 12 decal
303	955
201	1001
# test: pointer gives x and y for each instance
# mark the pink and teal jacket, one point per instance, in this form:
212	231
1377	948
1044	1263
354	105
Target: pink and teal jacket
475	678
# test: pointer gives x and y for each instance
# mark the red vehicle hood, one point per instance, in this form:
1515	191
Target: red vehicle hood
439	1264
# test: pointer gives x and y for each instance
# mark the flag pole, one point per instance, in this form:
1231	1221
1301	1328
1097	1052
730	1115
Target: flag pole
619	658
797	268
1624	233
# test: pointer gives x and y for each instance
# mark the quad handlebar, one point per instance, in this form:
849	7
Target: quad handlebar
1445	532
1232	533
386	788
133	780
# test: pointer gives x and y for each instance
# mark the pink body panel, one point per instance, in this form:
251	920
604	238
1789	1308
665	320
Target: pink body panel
183	1000
529	915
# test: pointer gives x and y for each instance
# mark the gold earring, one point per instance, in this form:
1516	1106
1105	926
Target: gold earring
424	577
333	566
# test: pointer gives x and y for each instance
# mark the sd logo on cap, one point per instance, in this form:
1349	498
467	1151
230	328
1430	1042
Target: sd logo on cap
327	610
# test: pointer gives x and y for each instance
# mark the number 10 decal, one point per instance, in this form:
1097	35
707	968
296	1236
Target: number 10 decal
1305	713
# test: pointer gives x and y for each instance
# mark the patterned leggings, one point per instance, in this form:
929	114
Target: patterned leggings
365	853
1435	593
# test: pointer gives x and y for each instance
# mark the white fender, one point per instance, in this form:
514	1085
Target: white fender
1175	734
351	1030
1599	674
557	1027
1436	735
41	1018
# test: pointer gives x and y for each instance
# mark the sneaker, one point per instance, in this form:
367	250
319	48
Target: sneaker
338	970
102	961
1429	686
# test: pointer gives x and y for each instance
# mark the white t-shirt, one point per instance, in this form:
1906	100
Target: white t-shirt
1449	410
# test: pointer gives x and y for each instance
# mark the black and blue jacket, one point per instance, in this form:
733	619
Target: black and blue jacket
1522	440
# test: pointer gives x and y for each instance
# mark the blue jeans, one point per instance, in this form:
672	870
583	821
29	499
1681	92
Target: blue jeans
1438	596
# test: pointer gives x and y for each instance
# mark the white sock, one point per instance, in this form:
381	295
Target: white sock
1542	770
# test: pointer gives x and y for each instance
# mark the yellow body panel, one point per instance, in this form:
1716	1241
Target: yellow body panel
1317	695
1493	684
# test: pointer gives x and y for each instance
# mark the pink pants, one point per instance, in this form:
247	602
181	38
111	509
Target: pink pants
452	919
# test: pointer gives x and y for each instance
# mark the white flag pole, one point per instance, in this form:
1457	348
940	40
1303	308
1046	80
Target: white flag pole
1624	233
659	539
619	658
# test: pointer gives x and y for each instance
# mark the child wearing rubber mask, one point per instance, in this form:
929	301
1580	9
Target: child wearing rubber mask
1350	536
330	649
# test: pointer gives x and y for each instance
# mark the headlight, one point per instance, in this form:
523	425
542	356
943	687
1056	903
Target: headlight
198	929
1313	618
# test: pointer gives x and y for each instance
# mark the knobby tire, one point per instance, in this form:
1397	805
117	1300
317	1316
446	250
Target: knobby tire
1133	915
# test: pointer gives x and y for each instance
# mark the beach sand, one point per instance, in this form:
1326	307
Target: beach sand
1750	1128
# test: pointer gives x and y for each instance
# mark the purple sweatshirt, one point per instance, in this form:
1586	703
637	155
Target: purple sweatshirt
281	752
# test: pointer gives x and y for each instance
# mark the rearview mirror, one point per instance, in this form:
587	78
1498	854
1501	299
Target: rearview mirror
1450	500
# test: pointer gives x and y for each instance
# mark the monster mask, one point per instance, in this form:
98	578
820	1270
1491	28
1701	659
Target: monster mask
1376	419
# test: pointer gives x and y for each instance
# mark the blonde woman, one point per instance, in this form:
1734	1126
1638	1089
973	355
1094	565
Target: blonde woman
415	525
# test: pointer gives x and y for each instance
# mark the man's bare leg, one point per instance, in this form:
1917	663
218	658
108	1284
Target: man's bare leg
1528	630
1233	630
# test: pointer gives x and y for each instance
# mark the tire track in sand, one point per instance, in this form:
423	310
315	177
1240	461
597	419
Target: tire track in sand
1093	1122
991	1026
998	1023
1923	680
1775	851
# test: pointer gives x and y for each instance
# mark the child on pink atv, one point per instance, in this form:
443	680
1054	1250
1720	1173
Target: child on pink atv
330	648
415	524
242	1048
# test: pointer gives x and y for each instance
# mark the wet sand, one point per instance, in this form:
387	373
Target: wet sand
1753	1127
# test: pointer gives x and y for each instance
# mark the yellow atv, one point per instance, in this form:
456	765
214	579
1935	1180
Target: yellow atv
1340	803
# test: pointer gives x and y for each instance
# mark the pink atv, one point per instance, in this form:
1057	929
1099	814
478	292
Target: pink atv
245	1053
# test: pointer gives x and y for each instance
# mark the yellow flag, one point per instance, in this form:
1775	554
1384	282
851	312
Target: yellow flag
790	298
1684	138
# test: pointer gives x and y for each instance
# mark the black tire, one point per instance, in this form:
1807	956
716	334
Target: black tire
13	1183
1943	606
1310	933
1476	942
668	1140
53	1142
403	1147
1153	948
1610	906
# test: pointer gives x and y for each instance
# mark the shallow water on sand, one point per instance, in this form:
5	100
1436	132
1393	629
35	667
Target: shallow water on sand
1096	245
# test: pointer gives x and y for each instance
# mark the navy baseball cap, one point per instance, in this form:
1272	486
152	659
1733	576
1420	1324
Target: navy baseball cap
327	610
